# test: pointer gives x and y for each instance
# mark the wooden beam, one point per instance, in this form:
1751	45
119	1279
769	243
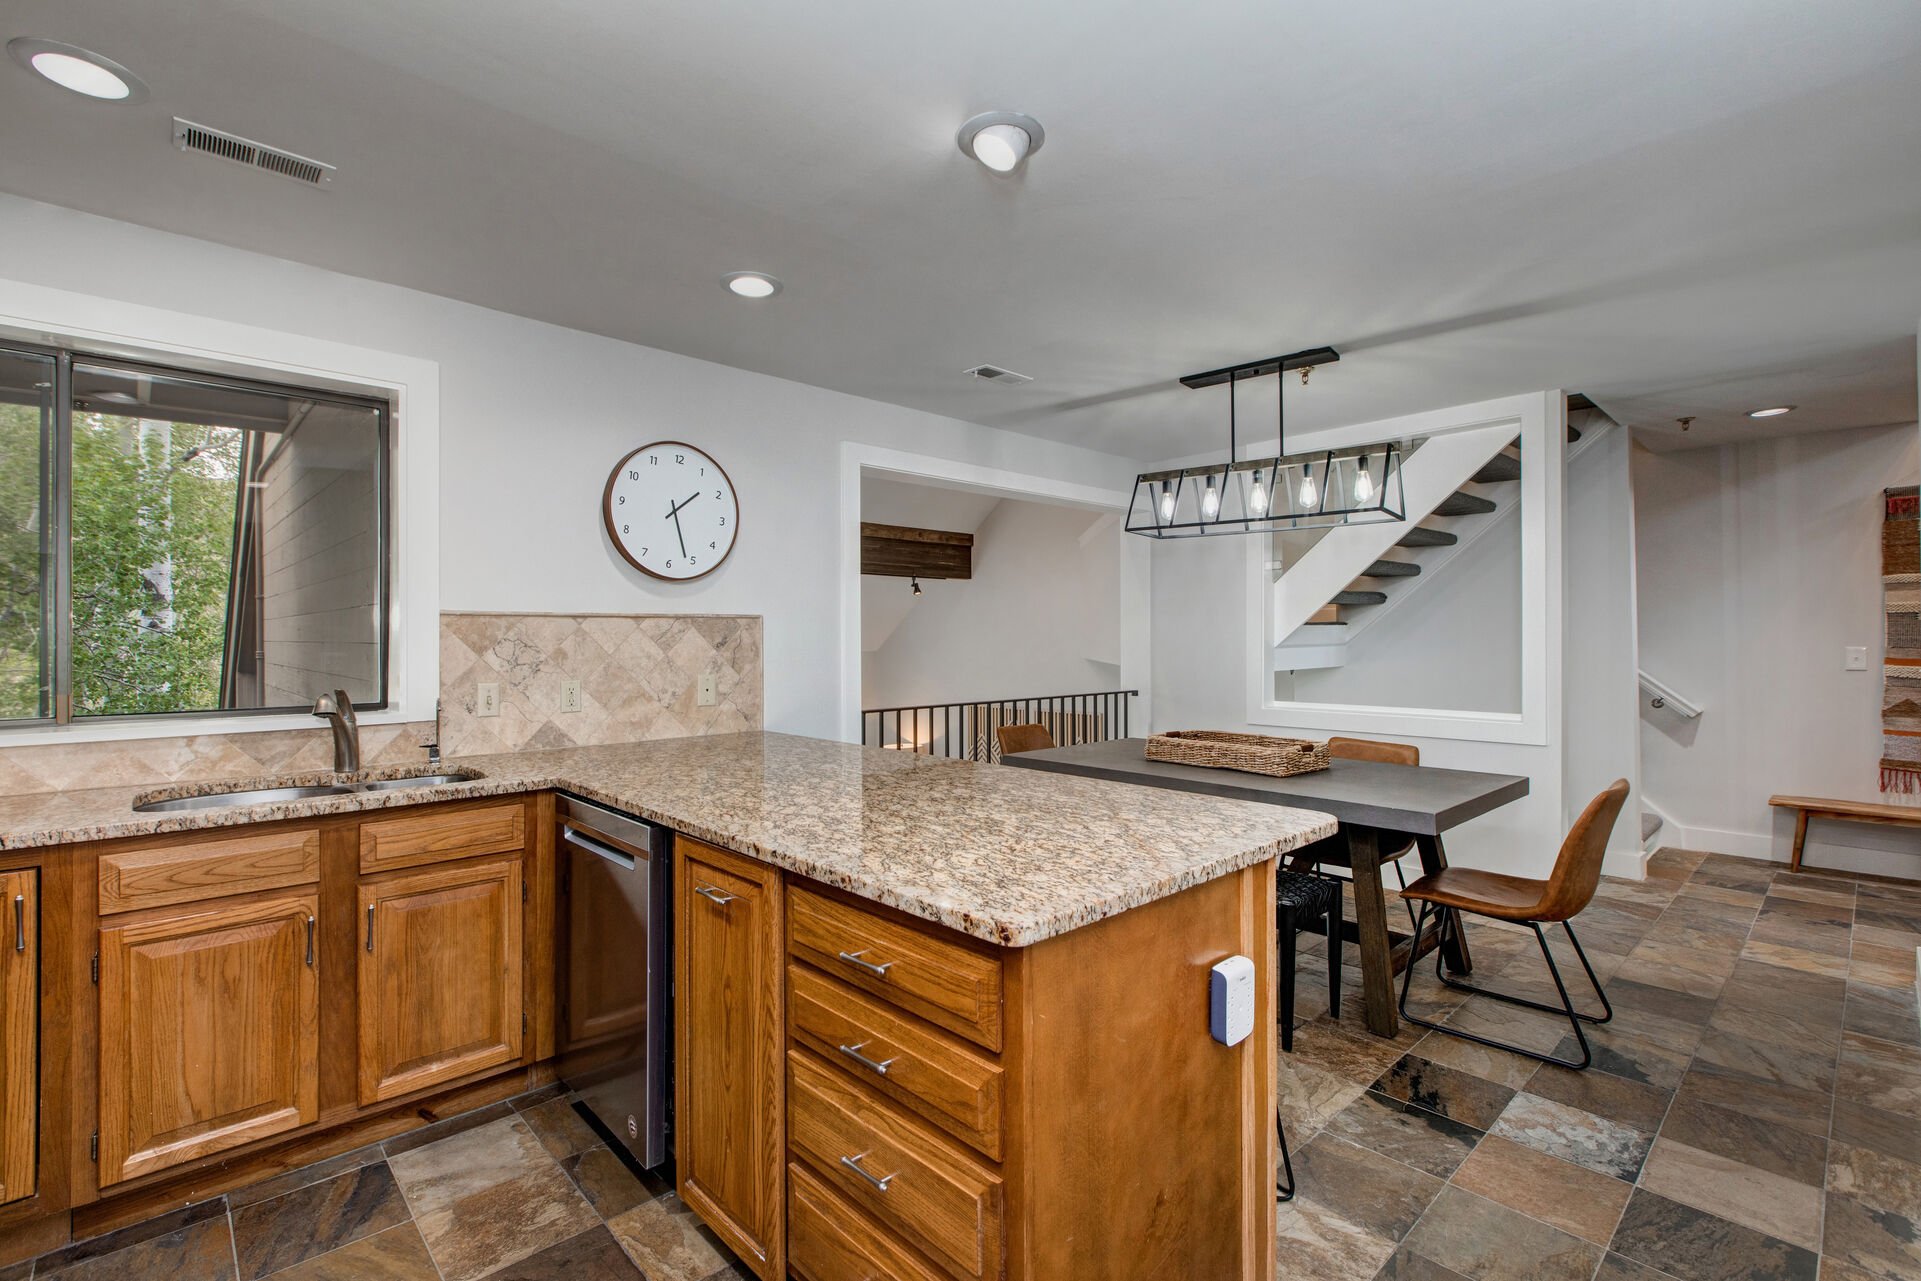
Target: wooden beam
899	551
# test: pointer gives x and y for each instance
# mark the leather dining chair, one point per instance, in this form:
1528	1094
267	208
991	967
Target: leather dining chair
1333	850
1023	738
1564	895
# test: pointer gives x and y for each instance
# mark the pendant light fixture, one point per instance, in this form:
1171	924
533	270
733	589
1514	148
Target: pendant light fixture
1319	490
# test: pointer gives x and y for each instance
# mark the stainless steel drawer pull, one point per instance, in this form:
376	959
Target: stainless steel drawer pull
20	922
877	1066
370	927
854	1163
878	971
310	942
715	894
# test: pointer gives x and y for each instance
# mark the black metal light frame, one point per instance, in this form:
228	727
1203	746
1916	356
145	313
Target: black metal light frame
1259	495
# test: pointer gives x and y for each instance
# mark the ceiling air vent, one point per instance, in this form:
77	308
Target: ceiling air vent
995	374
189	136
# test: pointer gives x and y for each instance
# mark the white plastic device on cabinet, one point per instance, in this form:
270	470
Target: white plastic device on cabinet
1230	1000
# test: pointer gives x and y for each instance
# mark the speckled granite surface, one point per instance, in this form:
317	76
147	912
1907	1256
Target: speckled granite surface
1013	856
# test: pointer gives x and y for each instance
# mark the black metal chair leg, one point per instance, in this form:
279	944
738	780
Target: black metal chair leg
1334	959
1284	1185
1574	1017
1287	979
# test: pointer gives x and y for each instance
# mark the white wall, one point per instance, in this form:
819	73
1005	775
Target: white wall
1035	618
533	417
1455	642
1759	564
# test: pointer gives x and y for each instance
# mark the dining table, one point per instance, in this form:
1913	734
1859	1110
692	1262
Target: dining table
1382	809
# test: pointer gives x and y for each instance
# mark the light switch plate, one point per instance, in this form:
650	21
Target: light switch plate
1856	659
570	696
709	689
487	699
1230	1000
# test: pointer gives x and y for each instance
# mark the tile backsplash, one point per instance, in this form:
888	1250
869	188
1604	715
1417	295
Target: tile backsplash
195	758
639	678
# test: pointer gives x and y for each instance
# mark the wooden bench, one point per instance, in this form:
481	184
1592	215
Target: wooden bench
1807	807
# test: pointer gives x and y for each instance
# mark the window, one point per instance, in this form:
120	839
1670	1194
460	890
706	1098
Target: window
174	542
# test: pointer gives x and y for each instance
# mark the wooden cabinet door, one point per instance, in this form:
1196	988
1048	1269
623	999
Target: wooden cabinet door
440	975
731	1123
19	1032
209	1030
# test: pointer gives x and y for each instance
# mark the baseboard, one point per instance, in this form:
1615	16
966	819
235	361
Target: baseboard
1628	865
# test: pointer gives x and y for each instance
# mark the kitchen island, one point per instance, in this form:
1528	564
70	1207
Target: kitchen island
935	1019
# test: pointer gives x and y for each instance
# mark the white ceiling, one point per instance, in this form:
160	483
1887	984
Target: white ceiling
1663	205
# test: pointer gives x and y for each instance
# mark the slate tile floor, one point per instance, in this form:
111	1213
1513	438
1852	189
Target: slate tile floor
521	1191
1755	1113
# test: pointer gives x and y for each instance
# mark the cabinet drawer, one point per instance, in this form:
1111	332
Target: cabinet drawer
943	981
924	1071
829	1240
926	1188
439	834
186	871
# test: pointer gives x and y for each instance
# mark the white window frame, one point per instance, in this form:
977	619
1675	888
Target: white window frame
62	318
1542	421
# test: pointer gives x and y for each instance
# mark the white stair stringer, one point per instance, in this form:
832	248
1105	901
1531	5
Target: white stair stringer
1442	465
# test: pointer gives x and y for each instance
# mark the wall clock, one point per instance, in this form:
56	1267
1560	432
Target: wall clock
671	511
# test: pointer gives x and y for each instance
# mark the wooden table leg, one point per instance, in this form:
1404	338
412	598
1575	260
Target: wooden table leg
1454	948
1800	838
1370	914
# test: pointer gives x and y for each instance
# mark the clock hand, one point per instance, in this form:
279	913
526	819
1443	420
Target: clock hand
675	513
683	502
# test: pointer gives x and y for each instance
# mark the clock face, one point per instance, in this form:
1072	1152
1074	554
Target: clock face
671	510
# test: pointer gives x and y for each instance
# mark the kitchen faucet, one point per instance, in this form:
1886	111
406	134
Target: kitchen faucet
338	711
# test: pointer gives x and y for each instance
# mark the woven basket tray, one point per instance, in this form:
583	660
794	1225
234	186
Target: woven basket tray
1249	753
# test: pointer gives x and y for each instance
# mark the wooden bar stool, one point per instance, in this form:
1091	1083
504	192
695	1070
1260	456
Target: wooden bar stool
1563	896
1023	738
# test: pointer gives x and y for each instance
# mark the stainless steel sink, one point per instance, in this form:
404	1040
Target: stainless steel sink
250	796
412	780
280	795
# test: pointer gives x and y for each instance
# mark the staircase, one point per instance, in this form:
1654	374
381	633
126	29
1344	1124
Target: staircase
1428	544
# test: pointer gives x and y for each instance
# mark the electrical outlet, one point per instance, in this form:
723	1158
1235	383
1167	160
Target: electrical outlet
570	696
709	689
1856	659
487	699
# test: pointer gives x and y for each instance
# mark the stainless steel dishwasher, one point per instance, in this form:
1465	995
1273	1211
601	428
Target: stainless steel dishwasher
615	973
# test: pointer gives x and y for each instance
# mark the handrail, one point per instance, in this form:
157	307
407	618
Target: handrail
965	730
1660	695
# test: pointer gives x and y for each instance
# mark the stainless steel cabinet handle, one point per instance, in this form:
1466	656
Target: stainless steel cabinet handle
20	922
310	942
877	1066
878	971
370	927
715	893
854	1163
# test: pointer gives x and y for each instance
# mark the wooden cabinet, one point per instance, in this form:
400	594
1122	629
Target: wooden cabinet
731	1125
209	1030
440	975
19	1032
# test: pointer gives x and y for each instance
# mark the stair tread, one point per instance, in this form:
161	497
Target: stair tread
1391	569
1359	598
1420	536
1460	504
1499	468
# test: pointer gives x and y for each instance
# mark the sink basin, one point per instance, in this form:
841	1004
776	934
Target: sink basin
412	780
250	796
302	792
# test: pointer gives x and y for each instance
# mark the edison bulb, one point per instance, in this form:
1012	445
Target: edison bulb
1210	501
1310	492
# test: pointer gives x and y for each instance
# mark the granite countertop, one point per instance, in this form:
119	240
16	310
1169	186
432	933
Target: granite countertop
1011	856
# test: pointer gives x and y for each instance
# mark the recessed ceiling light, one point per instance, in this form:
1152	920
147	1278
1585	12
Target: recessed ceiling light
1001	140
1773	412
81	70
752	284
